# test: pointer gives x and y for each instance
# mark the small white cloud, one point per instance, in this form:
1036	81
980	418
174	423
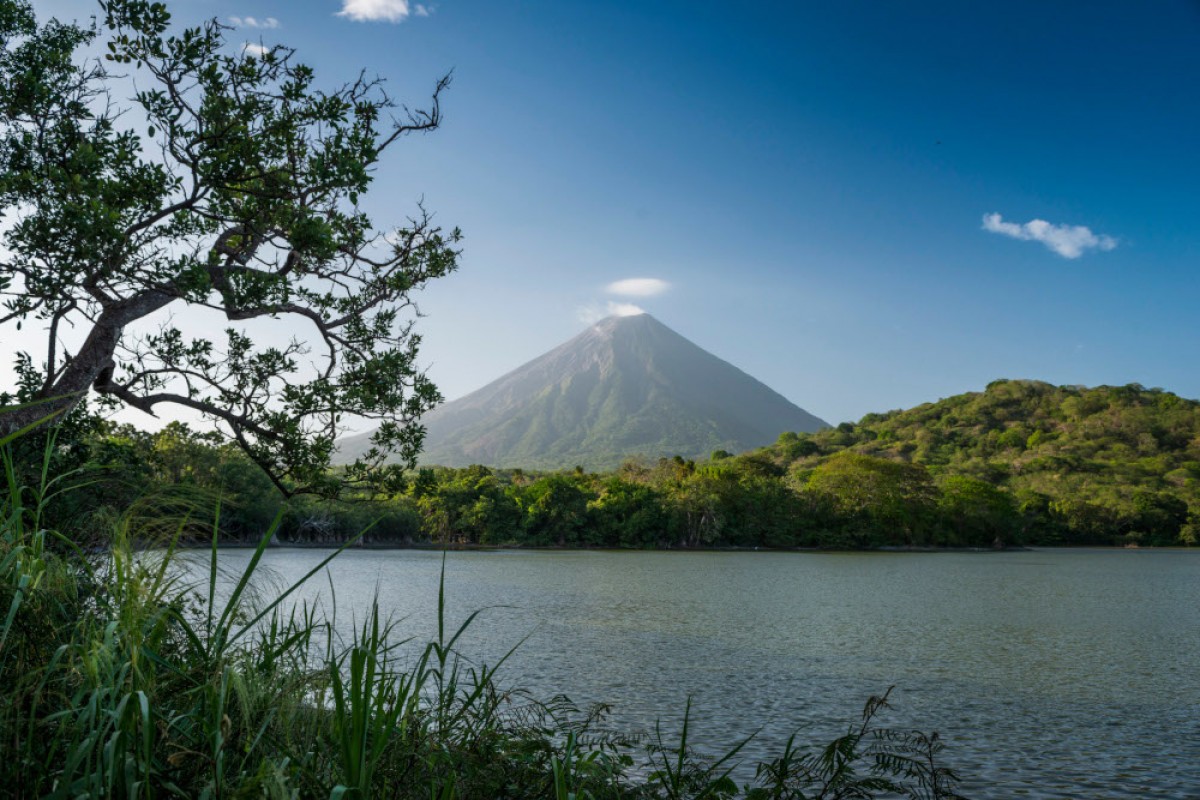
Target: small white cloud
256	50
638	287
376	10
593	313
625	310
422	10
253	22
1069	241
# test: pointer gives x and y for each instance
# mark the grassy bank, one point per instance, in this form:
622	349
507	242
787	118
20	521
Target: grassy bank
123	679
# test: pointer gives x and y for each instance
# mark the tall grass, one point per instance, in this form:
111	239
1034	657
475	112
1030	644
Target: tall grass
122	675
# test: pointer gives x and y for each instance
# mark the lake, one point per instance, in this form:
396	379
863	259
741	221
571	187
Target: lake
1049	673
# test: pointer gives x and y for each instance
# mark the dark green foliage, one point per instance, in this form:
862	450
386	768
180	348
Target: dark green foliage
1107	465
864	763
627	514
465	506
555	510
941	475
1022	462
876	500
973	510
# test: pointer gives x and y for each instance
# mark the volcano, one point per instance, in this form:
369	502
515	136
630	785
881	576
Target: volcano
628	386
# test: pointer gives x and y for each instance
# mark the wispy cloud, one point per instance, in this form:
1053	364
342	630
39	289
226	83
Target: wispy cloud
256	50
254	22
591	314
1069	241
638	287
625	310
381	10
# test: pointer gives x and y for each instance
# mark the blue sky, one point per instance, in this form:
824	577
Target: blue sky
810	179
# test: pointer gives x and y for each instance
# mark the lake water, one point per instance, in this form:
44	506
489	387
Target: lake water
1049	674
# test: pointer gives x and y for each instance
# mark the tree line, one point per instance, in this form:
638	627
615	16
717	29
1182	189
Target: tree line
1021	463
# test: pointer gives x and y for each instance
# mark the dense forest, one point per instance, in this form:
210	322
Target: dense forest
1021	463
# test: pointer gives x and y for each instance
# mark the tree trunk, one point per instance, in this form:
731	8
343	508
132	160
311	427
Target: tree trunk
94	360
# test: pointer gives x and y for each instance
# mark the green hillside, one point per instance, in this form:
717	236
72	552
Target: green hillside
1085	464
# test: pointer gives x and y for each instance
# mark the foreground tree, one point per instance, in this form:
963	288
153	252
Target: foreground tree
228	183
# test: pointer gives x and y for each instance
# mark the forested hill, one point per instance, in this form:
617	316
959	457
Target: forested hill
1098	460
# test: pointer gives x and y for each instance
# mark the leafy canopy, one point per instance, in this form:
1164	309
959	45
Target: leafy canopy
227	182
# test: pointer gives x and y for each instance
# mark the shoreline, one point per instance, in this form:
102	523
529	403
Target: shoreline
486	548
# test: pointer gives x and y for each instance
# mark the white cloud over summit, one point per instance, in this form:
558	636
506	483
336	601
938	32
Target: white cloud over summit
628	287
593	313
1069	241
624	309
382	10
638	287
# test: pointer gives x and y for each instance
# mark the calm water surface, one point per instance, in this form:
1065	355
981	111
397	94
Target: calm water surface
1064	674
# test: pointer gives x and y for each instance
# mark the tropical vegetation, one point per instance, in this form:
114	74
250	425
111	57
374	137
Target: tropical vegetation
1020	463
